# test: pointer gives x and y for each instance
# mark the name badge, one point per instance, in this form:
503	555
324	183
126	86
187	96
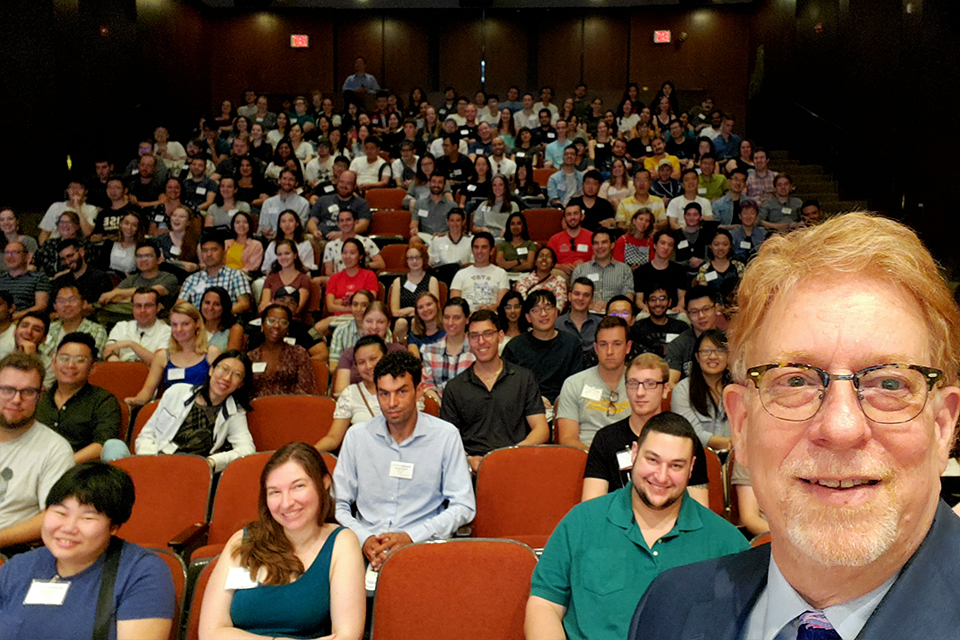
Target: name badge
370	578
45	592
670	337
176	374
683	244
402	470
464	132
455	173
328	189
239	578
159	218
522	251
201	191
186	167
521	154
256	322
649	149
409	286
582	248
702	191
701	116
290	340
333	208
711	276
746	244
601	145
135	172
175	250
623	460
594	276
259	367
471	187
423	213
551	135
592	393
786	210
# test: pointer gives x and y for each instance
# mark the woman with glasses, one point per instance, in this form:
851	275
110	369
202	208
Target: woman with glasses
200	419
405	290
280	369
699	397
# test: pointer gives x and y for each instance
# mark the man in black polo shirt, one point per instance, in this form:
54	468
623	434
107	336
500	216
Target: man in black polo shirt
87	416
653	333
493	403
455	166
608	463
597	211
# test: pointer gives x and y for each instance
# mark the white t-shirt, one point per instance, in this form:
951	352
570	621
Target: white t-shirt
52	216
315	170
675	208
152	339
332	251
29	467
367	172
444	251
480	286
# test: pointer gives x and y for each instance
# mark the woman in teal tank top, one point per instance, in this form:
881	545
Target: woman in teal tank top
290	573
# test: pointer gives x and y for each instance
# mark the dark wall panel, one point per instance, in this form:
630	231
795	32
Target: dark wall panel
606	40
560	51
405	48
506	53
359	34
461	38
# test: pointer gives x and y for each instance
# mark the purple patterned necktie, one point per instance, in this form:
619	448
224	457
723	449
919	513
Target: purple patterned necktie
815	626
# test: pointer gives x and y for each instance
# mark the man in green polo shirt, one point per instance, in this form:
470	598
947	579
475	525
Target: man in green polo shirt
606	551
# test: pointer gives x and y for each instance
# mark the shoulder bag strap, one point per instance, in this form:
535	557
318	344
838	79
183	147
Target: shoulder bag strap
106	613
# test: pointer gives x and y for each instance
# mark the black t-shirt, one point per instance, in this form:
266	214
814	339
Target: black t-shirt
674	277
108	220
649	337
459	171
611	440
684	150
636	149
601	210
92	284
552	361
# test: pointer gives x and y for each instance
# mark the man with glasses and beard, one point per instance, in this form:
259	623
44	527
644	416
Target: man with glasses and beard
605	552
844	355
653	333
32	456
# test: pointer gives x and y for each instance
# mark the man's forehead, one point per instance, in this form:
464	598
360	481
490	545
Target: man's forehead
666	446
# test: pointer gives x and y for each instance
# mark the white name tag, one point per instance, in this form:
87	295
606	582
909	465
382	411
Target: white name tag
201	191
175	250
256	323
328	189
683	244
409	286
159	218
455	173
423	213
259	367
786	210
551	135
594	276
471	187
522	251
239	578
670	337
333	208
186	167
402	470
582	248
370	578
702	190
711	276
623	460
49	593
601	145
176	374
464	132
592	393
521	154
135	172
290	340
746	244
649	148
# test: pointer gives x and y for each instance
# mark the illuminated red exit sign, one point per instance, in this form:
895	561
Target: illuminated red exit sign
661	36
299	41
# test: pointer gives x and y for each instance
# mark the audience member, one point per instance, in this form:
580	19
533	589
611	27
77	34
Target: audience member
482	284
69	308
610	277
216	274
579	320
138	339
286	199
679	205
406	289
376	322
701	308
572	246
543	278
30	289
118	301
698	397
567	183
781	211
280	369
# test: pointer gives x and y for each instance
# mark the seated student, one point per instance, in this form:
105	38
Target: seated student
610	278
662	269
652	333
30	289
347	333
516	253
118	301
543	277
358	402
216	274
596	397
719	273
579	320
608	463
247	337
87	416
748	236
289	227
29	451
243	251
218	319
452	250
287	270
118	252
69	306
138	339
552	355
332	262
84	509
699	397
373	172
426	327
343	284
280	369
302	575
635	247
8	328
186	360
376	322
444	360
483	400
482	284
572	246
405	290
91	282
200	419
702	311
494	213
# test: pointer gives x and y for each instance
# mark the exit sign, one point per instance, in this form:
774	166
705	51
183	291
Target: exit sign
299	41
661	36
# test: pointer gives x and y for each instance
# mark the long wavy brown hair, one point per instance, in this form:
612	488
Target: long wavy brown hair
264	543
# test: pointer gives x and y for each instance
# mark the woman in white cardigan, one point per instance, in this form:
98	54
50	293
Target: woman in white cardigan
200	419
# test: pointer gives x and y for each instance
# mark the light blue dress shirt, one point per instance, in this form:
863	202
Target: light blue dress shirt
364	479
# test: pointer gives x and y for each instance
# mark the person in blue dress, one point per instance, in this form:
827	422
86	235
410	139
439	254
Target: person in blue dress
290	573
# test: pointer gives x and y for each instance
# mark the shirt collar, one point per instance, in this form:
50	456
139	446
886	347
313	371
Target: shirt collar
783	605
620	514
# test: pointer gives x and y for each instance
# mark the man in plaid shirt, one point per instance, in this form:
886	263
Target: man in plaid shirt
215	274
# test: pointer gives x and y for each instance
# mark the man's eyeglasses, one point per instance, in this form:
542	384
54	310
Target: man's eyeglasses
27	393
649	385
64	358
886	393
486	336
700	312
542	309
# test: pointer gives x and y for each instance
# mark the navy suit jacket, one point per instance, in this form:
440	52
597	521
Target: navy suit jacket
711	600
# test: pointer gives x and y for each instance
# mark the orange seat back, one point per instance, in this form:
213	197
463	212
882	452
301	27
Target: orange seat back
394	222
387	198
542	176
511	500
143	415
715	480
465	589
543	223
278	420
178	571
123	380
196	600
395	258
321	373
